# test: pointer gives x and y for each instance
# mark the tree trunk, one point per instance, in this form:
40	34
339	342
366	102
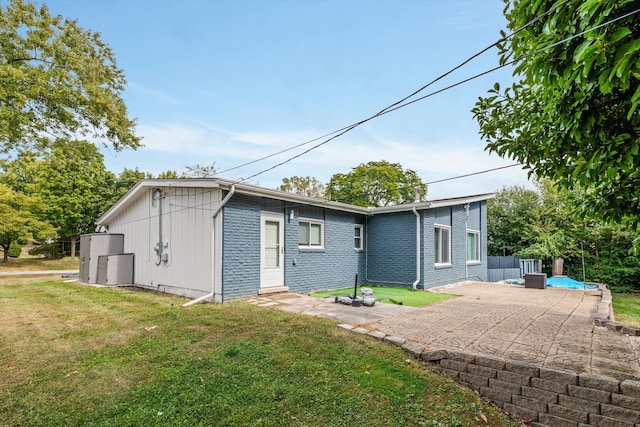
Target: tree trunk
73	246
5	258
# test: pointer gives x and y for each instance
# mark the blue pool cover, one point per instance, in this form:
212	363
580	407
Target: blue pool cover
568	283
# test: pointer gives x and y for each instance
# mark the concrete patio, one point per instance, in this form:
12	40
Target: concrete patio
553	328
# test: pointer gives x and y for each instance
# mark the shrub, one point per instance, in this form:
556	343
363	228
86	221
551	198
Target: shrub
49	250
620	274
14	250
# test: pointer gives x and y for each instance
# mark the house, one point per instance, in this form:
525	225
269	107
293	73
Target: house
218	240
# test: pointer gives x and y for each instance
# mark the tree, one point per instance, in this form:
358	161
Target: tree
17	221
19	173
509	215
74	186
125	181
57	81
168	174
553	232
303	185
573	115
200	171
377	184
540	224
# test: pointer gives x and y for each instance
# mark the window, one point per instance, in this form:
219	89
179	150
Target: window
357	236
473	246
310	233
443	244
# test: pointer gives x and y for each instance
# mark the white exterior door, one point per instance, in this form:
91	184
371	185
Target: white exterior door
271	250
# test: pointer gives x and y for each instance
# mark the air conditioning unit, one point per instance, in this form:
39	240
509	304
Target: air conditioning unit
115	269
92	246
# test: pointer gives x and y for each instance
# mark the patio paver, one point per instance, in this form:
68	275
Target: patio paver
550	327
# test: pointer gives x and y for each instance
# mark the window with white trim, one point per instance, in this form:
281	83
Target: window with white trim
357	237
311	233
473	246
442	245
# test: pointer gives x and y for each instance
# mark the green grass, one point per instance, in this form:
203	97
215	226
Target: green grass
626	308
75	355
34	264
385	294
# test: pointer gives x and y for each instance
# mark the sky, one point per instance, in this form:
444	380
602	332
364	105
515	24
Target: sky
233	81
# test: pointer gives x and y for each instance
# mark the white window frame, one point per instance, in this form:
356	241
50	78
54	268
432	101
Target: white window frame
358	246
475	233
310	222
438	244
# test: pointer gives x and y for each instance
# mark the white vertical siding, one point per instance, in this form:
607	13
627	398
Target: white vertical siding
186	233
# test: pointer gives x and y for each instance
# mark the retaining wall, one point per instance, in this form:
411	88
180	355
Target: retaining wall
541	396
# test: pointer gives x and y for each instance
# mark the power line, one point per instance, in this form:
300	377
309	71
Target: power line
396	106
411	187
473	173
389	108
280	152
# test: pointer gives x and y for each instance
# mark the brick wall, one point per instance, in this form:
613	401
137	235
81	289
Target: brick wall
542	396
241	248
458	270
335	266
332	267
390	240
391	248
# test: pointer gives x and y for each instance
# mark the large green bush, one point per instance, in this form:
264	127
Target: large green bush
49	250
620	274
14	250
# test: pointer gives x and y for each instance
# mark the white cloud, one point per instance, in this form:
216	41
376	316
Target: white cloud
159	96
168	144
172	138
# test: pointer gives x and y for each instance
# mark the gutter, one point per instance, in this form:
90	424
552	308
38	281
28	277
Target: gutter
213	250
417	214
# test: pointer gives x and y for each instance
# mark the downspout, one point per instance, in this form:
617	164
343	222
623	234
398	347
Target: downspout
417	214
213	250
466	243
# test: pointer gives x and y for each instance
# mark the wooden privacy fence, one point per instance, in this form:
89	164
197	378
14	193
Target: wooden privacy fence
510	267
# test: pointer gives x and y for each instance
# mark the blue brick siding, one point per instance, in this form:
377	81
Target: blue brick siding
442	275
458	270
389	240
334	266
391	249
241	248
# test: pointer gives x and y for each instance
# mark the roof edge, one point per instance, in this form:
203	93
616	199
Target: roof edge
253	190
150	183
432	204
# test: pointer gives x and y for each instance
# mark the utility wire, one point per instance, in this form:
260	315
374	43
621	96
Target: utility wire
473	173
411	187
346	129
397	106
281	151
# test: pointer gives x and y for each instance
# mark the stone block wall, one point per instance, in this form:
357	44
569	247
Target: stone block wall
543	396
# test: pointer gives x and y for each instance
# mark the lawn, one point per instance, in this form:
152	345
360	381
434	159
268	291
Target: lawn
34	264
77	355
626	308
402	296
